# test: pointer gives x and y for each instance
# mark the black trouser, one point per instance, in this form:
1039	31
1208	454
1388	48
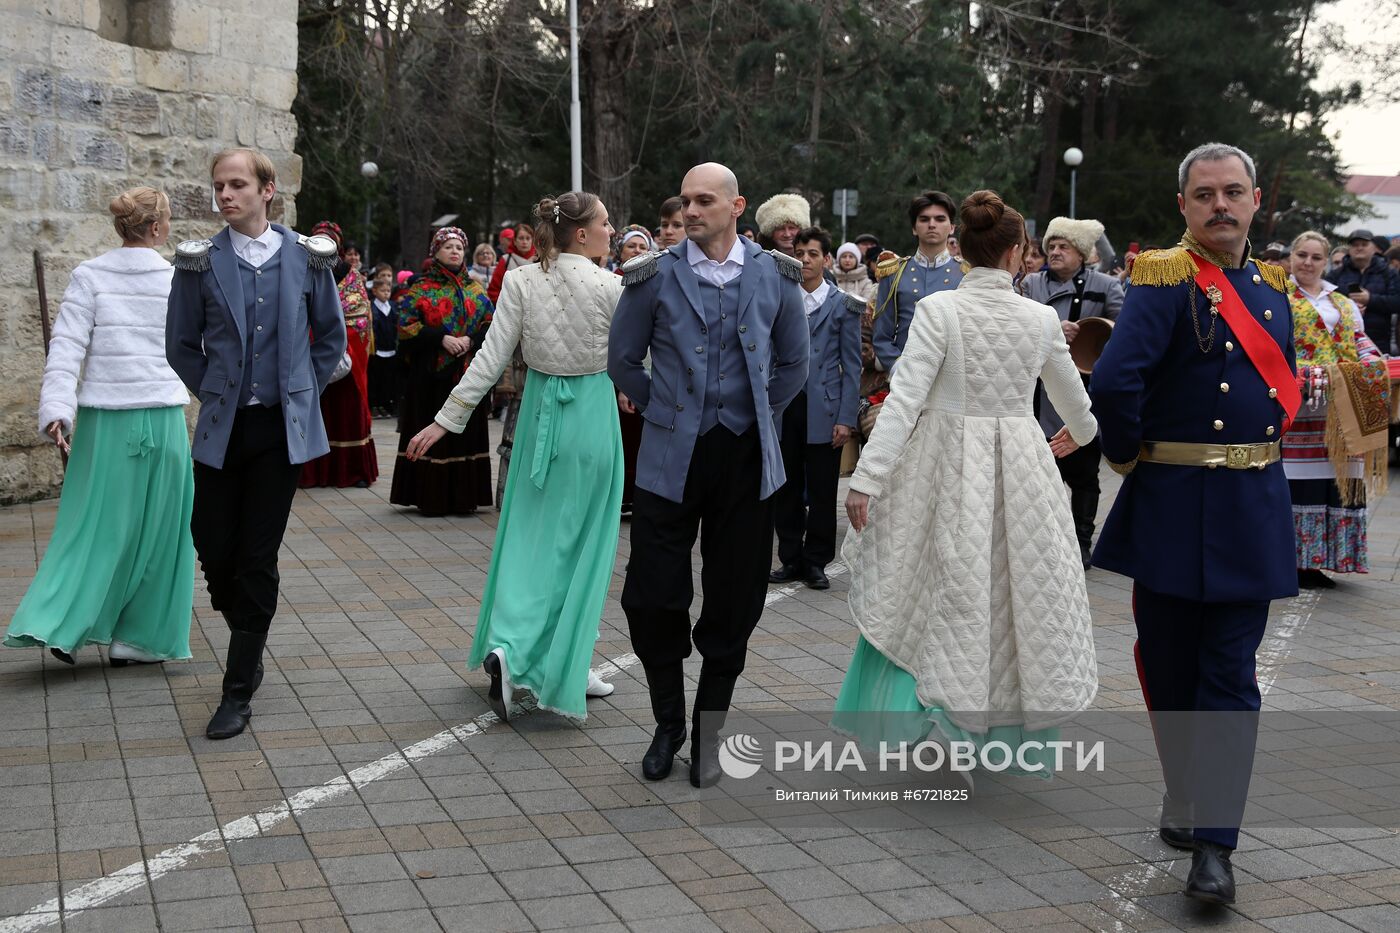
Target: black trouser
721	503
1080	471
806	524
240	515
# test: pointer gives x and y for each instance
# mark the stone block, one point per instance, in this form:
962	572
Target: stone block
80	52
69	13
206	119
14	136
79	100
133	110
211	75
46	146
194	27
289	173
277	129
24	38
75	192
97	149
21	189
275	87
162	70
7	92
246	123
34	91
188	200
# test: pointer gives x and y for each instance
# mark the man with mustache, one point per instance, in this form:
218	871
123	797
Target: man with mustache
1192	395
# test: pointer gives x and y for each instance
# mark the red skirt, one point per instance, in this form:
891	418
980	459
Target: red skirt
352	459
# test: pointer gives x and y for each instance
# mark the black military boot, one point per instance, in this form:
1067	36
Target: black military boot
242	675
712	699
258	677
1212	879
667	687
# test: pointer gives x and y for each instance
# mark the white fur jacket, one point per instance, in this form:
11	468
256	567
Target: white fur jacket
108	346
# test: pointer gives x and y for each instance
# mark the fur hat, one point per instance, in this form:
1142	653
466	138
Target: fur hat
1081	234
783	209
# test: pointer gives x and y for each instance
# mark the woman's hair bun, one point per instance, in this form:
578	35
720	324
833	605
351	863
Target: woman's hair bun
544	210
982	210
135	209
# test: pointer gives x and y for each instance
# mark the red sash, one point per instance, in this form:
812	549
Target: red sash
1261	348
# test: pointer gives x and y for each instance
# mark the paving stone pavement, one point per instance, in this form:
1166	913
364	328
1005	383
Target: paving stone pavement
544	824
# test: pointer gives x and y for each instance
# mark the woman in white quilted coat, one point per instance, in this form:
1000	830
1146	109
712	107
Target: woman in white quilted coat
966	580
119	569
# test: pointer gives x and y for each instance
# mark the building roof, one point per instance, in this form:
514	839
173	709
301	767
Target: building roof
1380	186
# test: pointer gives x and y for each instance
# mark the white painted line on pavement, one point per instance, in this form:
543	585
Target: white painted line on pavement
96	893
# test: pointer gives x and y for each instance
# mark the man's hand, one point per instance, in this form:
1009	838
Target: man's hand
840	434
625	404
424	440
858	509
1062	445
55	431
1361	298
1071	330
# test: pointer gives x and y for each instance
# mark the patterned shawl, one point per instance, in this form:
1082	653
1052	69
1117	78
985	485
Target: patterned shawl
354	303
447	301
1358	392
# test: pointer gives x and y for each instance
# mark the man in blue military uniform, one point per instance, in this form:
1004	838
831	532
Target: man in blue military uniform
724	325
903	281
254	330
1192	395
818	423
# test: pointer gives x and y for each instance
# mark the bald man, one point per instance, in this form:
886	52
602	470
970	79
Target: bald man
727	333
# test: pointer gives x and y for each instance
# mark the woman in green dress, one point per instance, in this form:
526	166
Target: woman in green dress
119	569
556	542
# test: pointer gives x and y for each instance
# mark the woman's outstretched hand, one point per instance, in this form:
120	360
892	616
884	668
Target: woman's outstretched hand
424	440
858	509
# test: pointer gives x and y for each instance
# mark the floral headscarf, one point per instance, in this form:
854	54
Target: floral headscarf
331	229
444	234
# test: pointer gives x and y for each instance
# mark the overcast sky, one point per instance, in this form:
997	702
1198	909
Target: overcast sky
1368	137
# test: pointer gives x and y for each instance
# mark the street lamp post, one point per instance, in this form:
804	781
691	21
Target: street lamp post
368	171
1074	157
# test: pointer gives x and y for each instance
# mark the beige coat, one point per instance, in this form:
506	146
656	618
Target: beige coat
968	575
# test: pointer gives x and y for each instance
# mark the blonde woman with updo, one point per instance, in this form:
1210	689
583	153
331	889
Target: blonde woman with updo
557	537
119	569
966	579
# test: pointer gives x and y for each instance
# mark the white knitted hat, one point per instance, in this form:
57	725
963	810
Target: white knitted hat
782	209
1081	234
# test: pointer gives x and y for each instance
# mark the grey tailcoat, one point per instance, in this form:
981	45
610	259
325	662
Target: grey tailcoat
664	315
205	335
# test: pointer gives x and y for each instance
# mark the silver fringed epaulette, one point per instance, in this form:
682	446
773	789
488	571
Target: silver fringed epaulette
854	303
193	255
640	268
787	266
321	252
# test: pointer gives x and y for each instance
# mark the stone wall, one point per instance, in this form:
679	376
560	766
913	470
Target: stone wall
100	95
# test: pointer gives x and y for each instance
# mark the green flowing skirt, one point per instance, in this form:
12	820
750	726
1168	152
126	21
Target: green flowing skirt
879	703
120	565
556	542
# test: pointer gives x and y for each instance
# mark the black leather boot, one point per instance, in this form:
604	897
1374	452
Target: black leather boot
257	678
242	676
1175	825
667	687
1212	879
712	699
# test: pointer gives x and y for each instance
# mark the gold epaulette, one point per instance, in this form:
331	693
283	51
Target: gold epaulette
1163	267
887	267
1273	275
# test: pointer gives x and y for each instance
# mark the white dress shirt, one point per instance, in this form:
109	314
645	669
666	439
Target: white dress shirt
716	273
813	300
940	260
257	251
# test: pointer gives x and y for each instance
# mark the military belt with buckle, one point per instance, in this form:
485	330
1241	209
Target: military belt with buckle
1229	456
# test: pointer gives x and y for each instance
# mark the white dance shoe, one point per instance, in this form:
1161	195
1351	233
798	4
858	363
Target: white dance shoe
120	654
502	689
597	686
